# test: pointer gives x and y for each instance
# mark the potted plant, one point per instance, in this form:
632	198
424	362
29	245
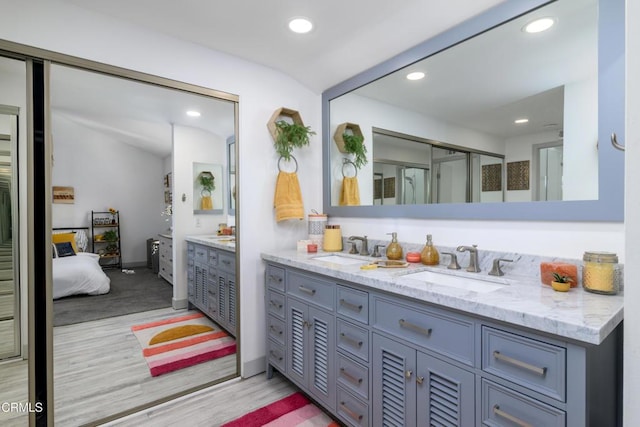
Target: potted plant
110	236
353	144
207	182
560	282
290	136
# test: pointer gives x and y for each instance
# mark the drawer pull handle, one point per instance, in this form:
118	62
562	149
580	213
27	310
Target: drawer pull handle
307	290
350	412
520	363
351	306
275	330
275	304
415	328
506	415
275	278
350	377
275	356
353	341
226	262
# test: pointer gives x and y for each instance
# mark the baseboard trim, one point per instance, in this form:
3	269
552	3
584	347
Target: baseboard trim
254	367
179	304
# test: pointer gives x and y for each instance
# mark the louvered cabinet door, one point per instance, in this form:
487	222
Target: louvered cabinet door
311	350
394	388
201	273
445	393
231	303
222	298
321	346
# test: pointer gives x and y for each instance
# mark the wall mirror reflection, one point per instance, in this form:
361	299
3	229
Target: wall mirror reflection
132	155
208	188
13	286
503	93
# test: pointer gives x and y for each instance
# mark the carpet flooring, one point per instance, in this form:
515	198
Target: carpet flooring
129	293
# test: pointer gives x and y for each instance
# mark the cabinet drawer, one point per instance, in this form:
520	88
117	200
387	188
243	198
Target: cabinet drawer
353	340
353	304
276	355
453	336
276	329
351	410
191	250
275	277
200	254
530	363
311	289
352	376
227	261
212	257
275	304
504	407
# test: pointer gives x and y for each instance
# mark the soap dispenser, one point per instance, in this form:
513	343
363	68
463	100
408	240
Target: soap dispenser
394	250
429	254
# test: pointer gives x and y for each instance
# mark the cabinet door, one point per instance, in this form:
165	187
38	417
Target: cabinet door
231	302
223	296
445	393
201	273
311	350
394	390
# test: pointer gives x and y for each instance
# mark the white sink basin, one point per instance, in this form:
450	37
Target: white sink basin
466	283
339	259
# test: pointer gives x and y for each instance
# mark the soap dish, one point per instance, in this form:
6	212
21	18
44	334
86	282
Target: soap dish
392	264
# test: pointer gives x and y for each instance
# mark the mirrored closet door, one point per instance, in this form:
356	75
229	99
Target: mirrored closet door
13	363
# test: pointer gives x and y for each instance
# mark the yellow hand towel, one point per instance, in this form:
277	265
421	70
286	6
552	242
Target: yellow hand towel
350	194
288	197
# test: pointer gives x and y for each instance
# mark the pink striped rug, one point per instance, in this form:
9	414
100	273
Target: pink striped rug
293	410
182	341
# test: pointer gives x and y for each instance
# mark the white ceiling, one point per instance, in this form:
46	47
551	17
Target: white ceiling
348	36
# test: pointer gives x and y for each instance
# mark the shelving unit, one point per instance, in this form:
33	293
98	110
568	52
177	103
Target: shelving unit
110	251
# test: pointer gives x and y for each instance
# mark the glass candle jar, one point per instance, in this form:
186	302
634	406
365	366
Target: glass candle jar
600	273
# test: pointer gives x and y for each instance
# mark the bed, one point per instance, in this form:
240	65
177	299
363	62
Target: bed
75	271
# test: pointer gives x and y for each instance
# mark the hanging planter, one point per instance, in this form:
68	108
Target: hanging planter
350	140
290	134
207	182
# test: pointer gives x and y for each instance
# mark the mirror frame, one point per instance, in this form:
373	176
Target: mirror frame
611	64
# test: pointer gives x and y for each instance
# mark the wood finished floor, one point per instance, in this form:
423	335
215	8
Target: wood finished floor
99	371
214	406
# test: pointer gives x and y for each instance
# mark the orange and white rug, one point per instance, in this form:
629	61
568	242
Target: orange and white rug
182	341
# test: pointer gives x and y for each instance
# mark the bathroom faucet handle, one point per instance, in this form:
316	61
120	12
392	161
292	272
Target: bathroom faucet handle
496	270
376	253
453	264
354	249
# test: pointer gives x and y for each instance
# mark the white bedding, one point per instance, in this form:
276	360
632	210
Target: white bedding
79	274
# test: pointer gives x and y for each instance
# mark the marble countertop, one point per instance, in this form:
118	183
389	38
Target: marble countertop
522	300
227	243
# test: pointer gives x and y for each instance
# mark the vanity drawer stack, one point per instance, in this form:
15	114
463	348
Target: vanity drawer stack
393	360
165	257
353	356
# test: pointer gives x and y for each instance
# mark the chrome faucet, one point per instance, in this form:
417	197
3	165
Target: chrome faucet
364	248
473	257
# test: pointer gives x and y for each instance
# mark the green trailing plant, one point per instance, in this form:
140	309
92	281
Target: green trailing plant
354	144
207	182
557	277
290	136
110	236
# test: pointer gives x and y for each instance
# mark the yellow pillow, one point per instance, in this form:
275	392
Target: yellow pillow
65	237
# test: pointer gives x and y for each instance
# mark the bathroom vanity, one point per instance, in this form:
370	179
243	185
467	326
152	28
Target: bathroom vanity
211	278
390	347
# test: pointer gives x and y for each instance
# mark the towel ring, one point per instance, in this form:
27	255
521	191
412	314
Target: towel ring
347	162
295	161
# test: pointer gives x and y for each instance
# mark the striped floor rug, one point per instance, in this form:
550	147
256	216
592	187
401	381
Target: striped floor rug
294	410
182	341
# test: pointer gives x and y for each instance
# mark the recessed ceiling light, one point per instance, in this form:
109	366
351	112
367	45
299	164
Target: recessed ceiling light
193	113
539	25
521	121
300	25
417	75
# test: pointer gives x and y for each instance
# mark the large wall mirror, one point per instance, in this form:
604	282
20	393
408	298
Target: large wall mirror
489	120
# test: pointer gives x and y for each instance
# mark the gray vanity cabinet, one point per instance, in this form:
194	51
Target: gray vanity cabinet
310	327
412	388
211	284
377	359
